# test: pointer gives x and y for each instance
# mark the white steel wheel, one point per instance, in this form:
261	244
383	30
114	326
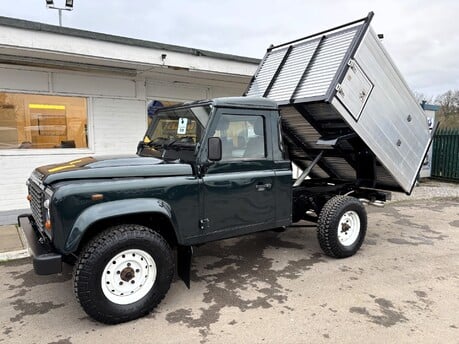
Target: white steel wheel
341	226
348	228
128	276
123	273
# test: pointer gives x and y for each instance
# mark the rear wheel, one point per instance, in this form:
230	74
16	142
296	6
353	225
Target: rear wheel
342	226
123	273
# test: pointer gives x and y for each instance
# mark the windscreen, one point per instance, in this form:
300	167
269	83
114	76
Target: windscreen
175	129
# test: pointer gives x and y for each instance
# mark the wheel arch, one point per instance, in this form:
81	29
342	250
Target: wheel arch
152	213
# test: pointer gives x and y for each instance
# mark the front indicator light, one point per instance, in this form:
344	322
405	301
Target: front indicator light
48	225
97	197
29	198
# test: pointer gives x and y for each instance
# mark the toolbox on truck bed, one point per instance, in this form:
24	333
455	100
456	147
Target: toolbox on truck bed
339	93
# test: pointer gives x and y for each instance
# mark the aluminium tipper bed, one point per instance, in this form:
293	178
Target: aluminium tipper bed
339	92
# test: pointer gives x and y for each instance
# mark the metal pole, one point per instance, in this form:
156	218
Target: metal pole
60	17
308	169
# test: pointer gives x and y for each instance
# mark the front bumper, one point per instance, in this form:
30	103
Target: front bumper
45	260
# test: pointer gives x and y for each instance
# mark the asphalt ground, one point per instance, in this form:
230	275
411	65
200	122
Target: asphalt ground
402	286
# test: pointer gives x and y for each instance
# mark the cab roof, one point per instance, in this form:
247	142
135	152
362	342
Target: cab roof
230	102
245	102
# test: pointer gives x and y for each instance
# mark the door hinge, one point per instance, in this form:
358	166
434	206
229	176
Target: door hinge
339	89
204	224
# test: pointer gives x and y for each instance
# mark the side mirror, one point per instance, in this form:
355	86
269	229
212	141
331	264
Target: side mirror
214	149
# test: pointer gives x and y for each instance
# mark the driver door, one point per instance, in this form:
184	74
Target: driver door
238	191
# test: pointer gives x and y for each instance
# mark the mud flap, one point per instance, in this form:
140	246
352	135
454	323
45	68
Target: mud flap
184	255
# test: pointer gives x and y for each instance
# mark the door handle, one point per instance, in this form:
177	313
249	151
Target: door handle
263	187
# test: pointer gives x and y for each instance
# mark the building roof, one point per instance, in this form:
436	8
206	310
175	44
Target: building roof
36	26
430	107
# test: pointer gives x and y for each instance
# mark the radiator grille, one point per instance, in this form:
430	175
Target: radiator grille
36	204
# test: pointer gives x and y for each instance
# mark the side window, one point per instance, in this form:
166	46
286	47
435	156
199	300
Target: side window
243	137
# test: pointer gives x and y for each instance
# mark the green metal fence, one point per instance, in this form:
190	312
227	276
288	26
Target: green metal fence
445	154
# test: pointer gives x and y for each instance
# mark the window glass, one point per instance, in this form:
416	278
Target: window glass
180	124
242	137
29	121
155	105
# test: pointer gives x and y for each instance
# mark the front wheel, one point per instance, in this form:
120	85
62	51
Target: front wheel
342	226
123	273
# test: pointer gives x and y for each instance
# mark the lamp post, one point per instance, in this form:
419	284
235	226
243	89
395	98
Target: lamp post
68	7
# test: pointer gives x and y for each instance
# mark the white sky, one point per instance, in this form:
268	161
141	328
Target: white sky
421	36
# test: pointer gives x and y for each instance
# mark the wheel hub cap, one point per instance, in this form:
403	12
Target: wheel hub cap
348	228
128	276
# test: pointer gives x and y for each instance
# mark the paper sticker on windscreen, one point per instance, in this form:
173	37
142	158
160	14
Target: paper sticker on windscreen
182	123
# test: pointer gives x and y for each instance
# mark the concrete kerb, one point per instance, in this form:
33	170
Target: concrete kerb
13	255
16	254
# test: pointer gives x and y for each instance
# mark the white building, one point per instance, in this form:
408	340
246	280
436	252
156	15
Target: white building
67	93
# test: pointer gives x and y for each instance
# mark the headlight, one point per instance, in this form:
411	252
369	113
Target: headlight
46	205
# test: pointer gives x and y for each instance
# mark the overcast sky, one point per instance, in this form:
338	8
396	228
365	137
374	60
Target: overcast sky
421	36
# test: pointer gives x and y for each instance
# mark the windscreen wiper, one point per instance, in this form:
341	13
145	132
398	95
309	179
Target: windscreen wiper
185	142
159	142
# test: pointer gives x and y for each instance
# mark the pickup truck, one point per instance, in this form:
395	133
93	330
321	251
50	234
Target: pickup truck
332	103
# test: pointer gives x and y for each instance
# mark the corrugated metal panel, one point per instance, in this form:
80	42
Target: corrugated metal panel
292	71
325	64
302	129
385	117
341	167
266	72
317	59
305	133
322	111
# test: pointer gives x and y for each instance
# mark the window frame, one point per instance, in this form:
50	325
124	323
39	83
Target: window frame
246	113
57	151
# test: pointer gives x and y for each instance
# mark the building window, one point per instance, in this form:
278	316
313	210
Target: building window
155	105
30	121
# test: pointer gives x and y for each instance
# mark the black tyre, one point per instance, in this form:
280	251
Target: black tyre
123	273
342	226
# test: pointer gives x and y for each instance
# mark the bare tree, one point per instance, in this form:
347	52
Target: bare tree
449	103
